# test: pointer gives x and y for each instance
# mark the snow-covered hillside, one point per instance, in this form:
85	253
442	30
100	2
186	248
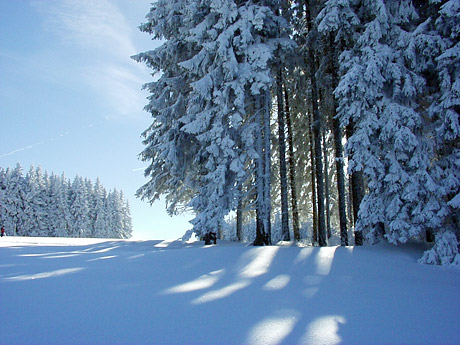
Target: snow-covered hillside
76	291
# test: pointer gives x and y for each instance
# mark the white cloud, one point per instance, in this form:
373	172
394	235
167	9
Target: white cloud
98	25
99	39
119	85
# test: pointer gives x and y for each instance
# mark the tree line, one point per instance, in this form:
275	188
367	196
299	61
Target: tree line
39	204
344	113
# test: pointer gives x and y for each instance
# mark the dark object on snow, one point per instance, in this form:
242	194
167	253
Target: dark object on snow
3	231
210	237
261	240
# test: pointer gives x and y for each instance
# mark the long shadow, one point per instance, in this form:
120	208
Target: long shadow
368	299
317	289
142	292
340	297
245	293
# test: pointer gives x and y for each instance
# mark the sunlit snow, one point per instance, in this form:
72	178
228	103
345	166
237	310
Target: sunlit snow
81	291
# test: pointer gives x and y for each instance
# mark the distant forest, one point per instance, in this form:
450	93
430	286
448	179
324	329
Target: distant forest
39	204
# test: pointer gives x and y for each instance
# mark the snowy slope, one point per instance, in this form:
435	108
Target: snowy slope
74	291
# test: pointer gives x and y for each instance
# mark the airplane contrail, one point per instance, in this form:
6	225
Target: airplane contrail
22	149
28	147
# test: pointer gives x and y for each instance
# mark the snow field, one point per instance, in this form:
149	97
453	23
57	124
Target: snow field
86	291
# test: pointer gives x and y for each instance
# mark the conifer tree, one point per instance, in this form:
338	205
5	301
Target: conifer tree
444	219
56	218
35	210
378	93
227	70
13	203
172	152
79	209
100	207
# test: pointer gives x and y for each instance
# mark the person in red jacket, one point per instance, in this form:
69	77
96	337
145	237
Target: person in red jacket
3	231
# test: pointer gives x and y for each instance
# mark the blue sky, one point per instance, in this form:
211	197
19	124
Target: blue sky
71	98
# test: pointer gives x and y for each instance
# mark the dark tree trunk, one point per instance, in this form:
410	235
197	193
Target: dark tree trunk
326	187
350	203
295	212
316	128
318	165
357	189
263	202
313	182
267	166
282	159
338	147
239	219
260	231
340	180
358	194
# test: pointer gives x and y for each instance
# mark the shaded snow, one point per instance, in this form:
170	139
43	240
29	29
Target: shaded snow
85	291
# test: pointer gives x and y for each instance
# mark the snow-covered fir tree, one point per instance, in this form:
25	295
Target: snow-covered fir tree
57	207
126	221
444	112
389	80
35	204
79	208
170	151
227	108
12	203
100	226
236	72
378	92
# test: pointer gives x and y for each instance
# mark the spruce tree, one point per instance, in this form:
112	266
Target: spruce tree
170	151
444	220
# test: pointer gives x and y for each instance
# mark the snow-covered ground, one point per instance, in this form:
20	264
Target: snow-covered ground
78	291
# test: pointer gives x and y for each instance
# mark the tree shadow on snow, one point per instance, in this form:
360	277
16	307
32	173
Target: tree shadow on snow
147	292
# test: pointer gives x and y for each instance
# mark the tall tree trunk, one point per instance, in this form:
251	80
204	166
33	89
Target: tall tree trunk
357	190
239	217
282	159
358	194
327	197
340	179
313	181
316	127
240	204
260	230
220	231
263	201
326	186
291	159
338	147
351	221
267	165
